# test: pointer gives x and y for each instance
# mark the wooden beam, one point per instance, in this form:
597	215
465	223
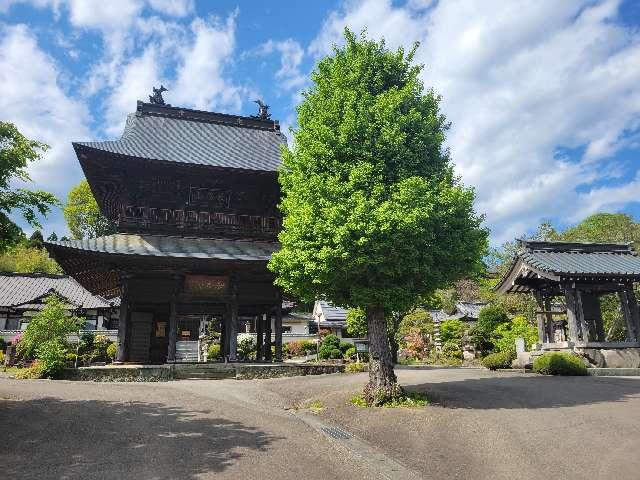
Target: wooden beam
582	321
542	336
233	330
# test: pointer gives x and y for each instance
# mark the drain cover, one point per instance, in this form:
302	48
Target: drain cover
336	432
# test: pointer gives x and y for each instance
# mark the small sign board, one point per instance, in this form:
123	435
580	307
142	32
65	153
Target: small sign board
206	285
362	346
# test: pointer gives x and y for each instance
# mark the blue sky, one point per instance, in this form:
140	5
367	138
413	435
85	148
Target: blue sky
543	96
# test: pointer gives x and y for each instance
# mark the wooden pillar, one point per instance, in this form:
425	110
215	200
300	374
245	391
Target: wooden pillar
123	323
584	326
233	330
625	301
278	328
259	339
572	320
268	357
173	322
542	337
549	320
633	310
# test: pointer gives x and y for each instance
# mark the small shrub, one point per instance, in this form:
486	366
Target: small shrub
112	351
213	353
1	357
309	346
34	371
3	344
355	367
451	349
246	347
52	356
350	353
71	359
559	363
335	354
498	360
295	349
344	346
316	406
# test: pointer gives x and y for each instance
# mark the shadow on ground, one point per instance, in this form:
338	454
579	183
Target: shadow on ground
528	391
50	438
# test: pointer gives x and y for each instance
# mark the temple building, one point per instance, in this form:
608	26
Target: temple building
568	280
193	199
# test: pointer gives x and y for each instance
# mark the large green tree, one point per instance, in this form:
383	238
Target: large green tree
374	216
16	152
83	215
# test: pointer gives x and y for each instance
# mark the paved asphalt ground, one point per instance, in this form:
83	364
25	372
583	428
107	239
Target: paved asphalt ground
479	425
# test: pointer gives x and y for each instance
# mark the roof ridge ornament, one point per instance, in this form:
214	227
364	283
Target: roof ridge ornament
156	98
263	110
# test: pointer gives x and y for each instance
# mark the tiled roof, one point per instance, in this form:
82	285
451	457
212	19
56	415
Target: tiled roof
330	312
20	289
569	260
181	247
204	138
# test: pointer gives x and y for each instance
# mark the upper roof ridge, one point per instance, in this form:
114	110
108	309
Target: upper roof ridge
181	113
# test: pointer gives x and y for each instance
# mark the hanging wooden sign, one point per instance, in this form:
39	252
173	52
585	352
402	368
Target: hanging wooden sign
206	285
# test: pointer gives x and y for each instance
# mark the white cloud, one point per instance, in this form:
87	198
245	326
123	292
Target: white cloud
288	76
139	75
33	99
175	8
519	80
201	81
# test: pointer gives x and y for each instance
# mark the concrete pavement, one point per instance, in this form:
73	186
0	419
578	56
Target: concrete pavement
481	425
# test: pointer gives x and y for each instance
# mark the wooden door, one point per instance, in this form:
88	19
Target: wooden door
139	342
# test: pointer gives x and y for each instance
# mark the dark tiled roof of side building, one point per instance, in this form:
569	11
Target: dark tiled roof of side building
181	135
23	288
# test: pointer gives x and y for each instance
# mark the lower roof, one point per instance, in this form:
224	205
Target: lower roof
174	247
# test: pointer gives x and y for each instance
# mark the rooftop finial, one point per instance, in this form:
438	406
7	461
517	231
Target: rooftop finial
156	98
263	110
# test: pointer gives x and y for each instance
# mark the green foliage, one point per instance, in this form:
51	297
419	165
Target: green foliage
498	360
344	346
16	152
112	351
52	355
34	371
213	352
451	349
51	323
247	348
82	214
416	319
330	343
505	334
452	330
559	363
489	319
356	322
355	367
405	400
350	353
335	354
373	213
24	259
604	227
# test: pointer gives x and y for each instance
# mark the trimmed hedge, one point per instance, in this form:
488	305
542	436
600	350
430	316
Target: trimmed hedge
495	361
559	363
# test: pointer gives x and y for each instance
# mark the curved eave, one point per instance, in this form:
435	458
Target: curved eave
521	269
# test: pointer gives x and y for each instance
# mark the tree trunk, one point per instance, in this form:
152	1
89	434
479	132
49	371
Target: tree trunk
383	385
